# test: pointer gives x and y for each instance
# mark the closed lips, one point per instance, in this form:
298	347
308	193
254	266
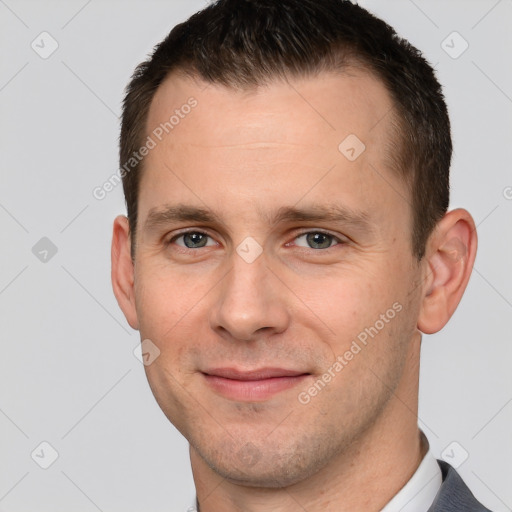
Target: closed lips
252	386
260	374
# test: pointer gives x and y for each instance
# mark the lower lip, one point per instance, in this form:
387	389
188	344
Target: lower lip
252	390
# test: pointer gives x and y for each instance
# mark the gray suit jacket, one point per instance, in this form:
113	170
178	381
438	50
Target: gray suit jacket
454	495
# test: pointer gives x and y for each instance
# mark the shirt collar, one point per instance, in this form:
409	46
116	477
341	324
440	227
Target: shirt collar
418	494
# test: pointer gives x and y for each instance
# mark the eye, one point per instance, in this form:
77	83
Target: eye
192	240
316	240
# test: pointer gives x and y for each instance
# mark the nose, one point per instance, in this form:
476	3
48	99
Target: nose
251	302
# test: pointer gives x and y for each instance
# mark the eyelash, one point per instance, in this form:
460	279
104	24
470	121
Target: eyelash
322	232
319	231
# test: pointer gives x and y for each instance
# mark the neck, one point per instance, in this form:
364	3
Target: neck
365	476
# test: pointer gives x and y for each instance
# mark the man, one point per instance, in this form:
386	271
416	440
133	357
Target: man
286	173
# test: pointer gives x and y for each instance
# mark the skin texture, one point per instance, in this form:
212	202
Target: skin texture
243	155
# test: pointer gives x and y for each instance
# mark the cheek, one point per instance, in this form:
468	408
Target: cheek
365	305
349	299
166	307
164	299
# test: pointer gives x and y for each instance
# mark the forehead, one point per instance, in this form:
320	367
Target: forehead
279	141
299	110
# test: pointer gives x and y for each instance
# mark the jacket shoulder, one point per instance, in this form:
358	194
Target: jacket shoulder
454	495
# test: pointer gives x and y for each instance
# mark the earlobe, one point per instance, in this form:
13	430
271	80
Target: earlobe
123	270
450	254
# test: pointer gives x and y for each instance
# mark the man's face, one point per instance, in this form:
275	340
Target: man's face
243	335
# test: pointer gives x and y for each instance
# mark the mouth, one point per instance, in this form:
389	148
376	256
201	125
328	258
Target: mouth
254	385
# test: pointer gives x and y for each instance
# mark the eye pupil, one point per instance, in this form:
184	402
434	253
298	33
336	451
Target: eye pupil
318	240
194	240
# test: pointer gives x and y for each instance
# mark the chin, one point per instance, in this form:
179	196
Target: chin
268	477
271	467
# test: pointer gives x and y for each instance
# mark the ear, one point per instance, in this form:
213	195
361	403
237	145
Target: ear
450	255
123	270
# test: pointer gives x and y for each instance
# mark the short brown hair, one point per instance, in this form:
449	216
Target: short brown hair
246	43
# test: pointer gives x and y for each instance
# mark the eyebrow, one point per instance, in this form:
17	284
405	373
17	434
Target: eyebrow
168	214
325	213
178	213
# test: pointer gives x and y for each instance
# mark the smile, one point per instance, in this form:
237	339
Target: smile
252	386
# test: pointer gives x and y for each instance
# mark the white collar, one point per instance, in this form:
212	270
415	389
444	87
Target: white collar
418	494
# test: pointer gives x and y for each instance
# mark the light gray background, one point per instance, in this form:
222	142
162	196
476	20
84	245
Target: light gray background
68	373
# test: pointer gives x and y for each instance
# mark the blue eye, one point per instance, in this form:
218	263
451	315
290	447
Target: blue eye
317	240
312	240
192	240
